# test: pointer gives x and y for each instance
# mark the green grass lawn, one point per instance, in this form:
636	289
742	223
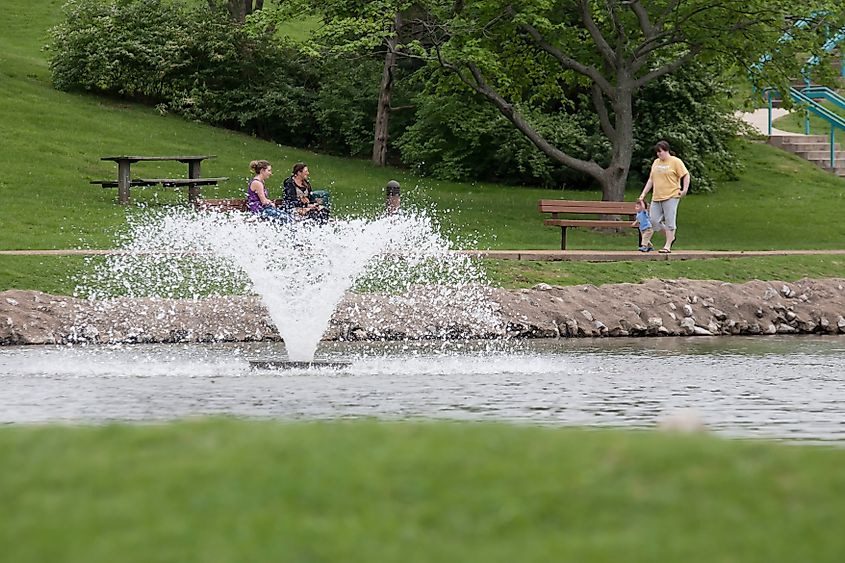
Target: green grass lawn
219	491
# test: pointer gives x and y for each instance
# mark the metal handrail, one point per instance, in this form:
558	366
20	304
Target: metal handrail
820	93
811	106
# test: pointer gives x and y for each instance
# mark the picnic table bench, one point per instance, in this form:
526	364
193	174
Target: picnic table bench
124	179
578	208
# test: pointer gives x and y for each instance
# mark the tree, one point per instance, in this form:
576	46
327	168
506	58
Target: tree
385	90
543	55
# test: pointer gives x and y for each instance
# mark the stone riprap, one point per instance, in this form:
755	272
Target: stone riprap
653	308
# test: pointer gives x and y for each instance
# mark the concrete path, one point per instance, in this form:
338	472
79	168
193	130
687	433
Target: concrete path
759	120
628	255
538	255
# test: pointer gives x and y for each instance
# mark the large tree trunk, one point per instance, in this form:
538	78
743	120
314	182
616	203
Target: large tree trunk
384	92
614	178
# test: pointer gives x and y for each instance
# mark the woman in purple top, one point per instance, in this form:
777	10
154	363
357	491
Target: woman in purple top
257	201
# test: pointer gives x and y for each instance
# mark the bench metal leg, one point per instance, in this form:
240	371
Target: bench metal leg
123	182
563	238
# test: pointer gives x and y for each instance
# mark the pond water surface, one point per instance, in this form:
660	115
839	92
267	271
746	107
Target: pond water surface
777	387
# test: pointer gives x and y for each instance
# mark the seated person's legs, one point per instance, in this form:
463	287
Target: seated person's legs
276	214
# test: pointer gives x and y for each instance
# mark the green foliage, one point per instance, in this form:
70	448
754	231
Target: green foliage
543	64
344	108
189	60
457	136
124	47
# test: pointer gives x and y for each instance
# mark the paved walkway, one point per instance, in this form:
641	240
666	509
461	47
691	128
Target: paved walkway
538	255
628	255
759	120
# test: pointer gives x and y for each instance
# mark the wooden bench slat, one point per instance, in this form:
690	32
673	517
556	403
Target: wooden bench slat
163	181
113	183
585	202
585	223
608	208
184	181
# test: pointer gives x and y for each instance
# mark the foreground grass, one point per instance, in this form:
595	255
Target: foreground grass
252	491
60	275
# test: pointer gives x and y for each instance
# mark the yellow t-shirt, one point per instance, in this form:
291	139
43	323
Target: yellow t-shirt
666	178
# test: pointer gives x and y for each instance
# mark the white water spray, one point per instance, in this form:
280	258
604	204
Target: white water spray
301	271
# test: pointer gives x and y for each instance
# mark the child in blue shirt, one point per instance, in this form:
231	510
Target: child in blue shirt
643	221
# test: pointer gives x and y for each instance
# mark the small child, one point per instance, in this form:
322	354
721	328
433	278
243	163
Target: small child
643	221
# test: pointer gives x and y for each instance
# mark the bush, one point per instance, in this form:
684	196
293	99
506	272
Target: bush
187	59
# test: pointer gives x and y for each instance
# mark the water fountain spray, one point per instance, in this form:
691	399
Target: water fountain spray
301	271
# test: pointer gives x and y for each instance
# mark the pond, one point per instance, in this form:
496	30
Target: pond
784	387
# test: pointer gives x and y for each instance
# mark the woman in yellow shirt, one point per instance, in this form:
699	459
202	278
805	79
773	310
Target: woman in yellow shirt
670	180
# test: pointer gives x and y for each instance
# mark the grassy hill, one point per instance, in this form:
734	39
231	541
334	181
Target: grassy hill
53	142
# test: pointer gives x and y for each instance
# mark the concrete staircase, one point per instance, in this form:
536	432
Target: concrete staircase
814	148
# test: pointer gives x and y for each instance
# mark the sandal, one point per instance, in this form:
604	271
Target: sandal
665	251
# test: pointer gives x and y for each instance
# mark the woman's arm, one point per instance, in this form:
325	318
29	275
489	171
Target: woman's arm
647	188
258	188
685	184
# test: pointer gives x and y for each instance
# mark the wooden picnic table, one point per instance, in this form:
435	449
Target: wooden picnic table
124	178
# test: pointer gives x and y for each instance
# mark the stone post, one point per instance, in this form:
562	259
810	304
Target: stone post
392	197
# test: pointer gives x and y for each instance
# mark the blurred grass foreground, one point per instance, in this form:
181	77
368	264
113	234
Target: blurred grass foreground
226	490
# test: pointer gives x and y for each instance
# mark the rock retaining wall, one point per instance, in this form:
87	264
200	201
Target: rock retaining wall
653	308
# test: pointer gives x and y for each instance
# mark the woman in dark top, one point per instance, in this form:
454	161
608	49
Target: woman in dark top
298	196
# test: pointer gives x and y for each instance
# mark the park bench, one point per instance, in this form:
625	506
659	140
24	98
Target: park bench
575	213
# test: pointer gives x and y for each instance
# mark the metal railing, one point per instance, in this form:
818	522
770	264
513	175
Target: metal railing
811	106
820	93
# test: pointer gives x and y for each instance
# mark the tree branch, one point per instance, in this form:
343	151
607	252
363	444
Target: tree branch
642	17
621	34
668	68
480	85
601	43
601	110
568	62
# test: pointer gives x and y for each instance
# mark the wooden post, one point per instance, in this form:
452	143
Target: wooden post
123	180
392	198
194	173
